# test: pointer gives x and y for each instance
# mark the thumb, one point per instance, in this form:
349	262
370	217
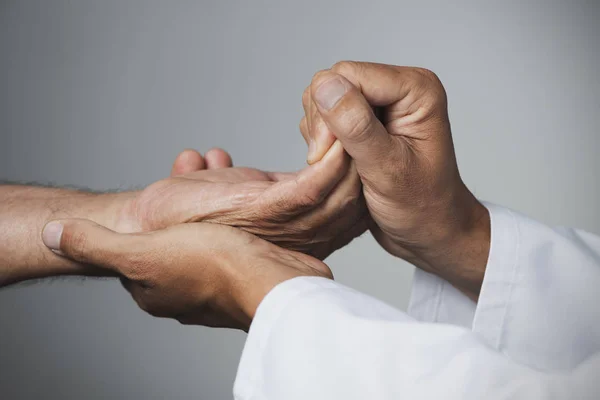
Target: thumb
87	242
351	119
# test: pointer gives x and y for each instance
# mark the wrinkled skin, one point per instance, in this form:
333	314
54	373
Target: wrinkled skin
314	211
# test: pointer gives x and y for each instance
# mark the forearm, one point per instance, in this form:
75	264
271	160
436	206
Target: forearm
24	210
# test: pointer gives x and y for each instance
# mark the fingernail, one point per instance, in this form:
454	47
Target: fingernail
330	92
51	236
312	150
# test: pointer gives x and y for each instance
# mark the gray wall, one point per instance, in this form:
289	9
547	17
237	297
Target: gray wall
104	94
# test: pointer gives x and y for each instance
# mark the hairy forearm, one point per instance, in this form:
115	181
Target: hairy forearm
24	210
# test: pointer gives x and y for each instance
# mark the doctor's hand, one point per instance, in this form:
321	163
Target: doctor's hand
315	211
202	274
393	121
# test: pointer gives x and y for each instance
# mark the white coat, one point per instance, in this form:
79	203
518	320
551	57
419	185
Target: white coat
533	334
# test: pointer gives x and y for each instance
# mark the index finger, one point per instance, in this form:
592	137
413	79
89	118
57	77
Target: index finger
382	84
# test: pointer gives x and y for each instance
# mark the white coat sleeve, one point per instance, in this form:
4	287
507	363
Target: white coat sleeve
535	332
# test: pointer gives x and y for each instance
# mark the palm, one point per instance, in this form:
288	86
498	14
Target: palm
238	175
315	211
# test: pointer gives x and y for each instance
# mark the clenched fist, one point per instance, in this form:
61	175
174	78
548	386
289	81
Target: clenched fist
393	121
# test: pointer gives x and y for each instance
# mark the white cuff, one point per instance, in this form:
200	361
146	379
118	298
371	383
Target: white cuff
435	300
249	375
499	278
432	299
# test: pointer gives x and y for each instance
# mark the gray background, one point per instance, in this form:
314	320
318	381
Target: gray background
105	94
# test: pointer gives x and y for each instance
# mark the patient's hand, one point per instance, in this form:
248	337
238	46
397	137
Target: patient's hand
204	274
315	211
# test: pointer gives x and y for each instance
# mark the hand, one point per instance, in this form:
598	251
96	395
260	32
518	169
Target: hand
26	209
393	121
316	211
203	274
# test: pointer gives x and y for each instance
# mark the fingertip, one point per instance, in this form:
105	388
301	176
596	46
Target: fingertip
217	158
321	143
321	77
328	171
189	160
333	155
52	235
335	152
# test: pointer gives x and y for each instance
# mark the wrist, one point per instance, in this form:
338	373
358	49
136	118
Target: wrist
454	245
122	216
248	292
112	210
461	257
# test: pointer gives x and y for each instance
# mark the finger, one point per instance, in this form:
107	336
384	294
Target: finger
309	187
352	120
187	161
86	242
342	207
381	84
306	105
314	130
321	137
346	193
217	158
305	122
334	223
304	130
310	121
416	94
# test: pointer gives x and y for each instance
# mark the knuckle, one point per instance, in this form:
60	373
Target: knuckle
430	82
311	196
307	197
317	78
427	74
346	67
359	123
307	194
305	200
76	243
